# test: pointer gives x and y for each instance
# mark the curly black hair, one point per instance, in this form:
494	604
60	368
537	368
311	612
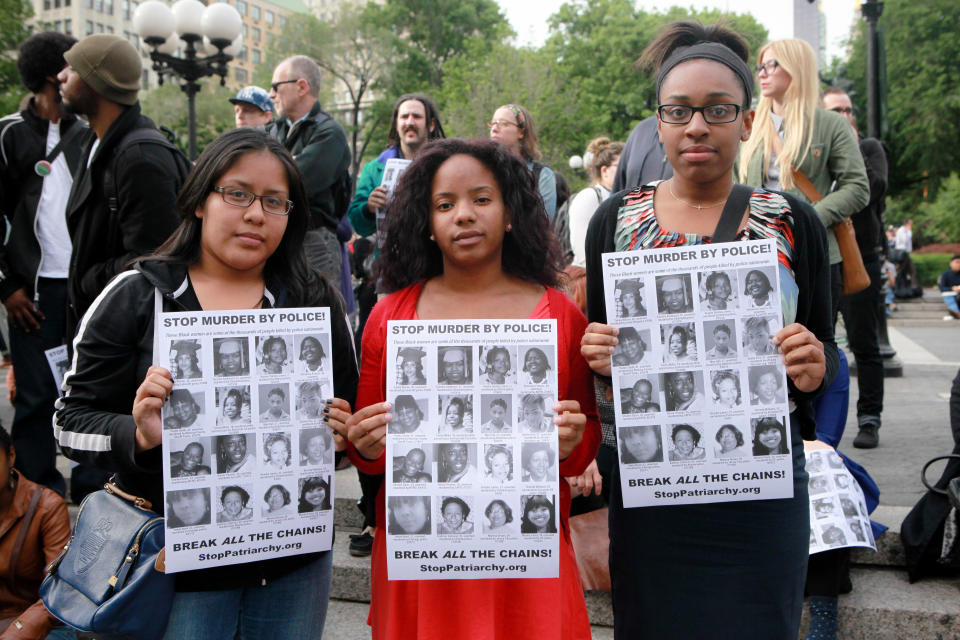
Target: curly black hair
530	250
41	56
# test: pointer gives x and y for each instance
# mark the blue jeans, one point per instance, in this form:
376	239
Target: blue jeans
951	302
293	607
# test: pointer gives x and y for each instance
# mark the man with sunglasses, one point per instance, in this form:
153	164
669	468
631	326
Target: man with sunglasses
319	146
861	310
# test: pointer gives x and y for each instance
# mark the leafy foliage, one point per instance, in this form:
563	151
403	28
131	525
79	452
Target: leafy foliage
922	50
13	31
167	106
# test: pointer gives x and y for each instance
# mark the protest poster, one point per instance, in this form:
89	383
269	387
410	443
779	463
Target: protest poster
838	510
392	171
247	460
700	391
472	468
59	362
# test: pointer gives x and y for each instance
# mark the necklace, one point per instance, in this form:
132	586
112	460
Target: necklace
698	207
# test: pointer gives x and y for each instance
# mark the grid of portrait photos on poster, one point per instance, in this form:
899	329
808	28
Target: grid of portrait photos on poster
472	447
699	388
838	510
244	443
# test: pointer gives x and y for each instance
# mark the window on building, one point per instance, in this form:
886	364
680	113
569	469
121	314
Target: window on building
89	27
240	75
68	27
255	56
243	53
244	29
108	7
56	25
46	5
109	29
256	34
241	7
99	28
88	4
268	17
98	6
56	4
255	12
66	3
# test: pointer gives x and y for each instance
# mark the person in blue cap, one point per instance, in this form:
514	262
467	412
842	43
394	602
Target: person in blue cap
252	107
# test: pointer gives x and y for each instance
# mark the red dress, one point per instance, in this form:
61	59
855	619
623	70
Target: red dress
481	609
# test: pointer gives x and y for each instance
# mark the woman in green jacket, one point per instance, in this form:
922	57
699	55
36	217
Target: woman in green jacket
791	132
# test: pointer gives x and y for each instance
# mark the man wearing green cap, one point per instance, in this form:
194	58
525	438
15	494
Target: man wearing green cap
123	202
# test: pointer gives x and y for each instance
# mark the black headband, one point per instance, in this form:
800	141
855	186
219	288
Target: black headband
709	51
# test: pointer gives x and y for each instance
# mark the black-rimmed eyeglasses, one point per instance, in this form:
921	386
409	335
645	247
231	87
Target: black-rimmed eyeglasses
239	197
767	67
274	85
712	113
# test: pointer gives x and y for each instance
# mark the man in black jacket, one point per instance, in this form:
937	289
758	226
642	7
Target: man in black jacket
123	202
39	151
319	145
860	310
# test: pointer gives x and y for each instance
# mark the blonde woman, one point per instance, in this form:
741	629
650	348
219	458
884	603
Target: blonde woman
602	160
791	132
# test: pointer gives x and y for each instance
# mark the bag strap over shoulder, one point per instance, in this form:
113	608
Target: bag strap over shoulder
21	536
732	215
799	178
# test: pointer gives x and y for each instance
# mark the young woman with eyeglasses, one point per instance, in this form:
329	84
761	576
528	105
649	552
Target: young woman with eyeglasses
513	127
243	214
741	562
792	133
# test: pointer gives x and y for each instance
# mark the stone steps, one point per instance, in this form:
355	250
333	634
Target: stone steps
882	605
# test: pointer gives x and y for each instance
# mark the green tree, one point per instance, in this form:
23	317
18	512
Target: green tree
428	33
13	31
167	106
922	49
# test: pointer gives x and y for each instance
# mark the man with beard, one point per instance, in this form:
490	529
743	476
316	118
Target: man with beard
39	150
415	120
123	202
319	146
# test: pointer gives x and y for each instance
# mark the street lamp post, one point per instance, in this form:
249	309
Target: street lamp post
871	13
196	25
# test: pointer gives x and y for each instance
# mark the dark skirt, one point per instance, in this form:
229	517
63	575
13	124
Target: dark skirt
725	570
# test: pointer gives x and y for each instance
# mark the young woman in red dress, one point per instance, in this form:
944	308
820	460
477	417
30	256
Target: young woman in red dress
467	237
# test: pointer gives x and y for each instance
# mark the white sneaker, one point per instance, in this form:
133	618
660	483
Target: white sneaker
948	318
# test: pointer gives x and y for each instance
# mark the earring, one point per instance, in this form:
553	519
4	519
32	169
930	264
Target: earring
432	239
509	226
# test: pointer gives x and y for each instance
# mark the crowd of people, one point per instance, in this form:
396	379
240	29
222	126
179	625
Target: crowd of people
108	220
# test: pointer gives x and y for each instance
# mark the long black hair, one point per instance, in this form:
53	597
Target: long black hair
530	250
288	264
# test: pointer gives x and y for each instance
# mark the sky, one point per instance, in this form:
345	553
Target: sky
528	17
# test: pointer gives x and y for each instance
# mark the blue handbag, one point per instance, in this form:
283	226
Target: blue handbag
106	580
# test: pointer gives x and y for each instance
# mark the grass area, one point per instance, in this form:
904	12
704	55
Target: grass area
930	266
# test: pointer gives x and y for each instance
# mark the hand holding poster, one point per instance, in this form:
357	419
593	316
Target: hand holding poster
699	389
472	456
392	171
247	460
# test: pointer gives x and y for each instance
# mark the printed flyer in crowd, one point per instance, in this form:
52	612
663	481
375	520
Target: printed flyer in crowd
472	480
838	511
247	460
700	391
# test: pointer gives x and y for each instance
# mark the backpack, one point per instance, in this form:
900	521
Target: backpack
140	136
561	227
